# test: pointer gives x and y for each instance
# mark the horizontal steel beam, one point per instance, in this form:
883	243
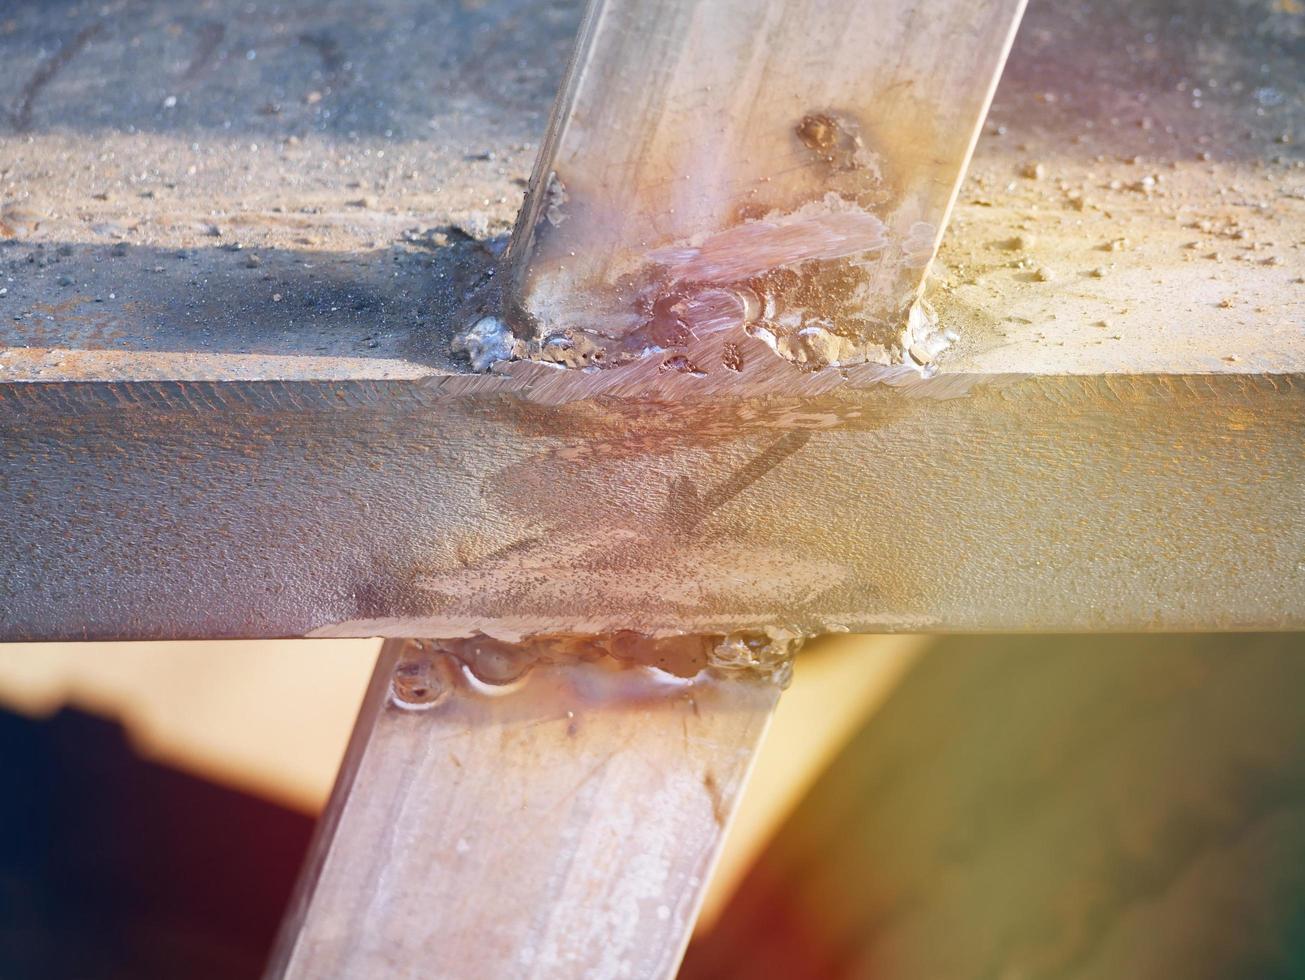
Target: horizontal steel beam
286	444
262	509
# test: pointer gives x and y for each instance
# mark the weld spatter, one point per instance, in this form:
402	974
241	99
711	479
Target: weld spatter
835	140
422	679
494	662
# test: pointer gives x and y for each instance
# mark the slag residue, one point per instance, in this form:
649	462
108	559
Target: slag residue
925	338
428	671
486	342
769	652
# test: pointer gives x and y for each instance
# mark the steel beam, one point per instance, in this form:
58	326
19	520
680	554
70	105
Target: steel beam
561	824
278	439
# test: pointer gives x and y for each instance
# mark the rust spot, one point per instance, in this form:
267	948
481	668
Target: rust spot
731	357
683	656
681	365
834	139
818	131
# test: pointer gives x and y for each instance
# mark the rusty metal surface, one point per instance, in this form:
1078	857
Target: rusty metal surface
194	456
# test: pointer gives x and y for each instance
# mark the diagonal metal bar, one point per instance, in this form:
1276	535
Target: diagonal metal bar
558	824
786	166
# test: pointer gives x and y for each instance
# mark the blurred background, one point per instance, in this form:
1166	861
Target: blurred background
1005	807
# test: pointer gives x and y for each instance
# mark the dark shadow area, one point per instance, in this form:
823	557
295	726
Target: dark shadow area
271	70
114	867
1088	807
329	67
391	302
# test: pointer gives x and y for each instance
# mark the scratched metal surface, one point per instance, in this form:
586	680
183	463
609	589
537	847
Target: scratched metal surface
203	440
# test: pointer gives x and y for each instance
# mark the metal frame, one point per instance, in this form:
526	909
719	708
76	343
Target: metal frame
1036	445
